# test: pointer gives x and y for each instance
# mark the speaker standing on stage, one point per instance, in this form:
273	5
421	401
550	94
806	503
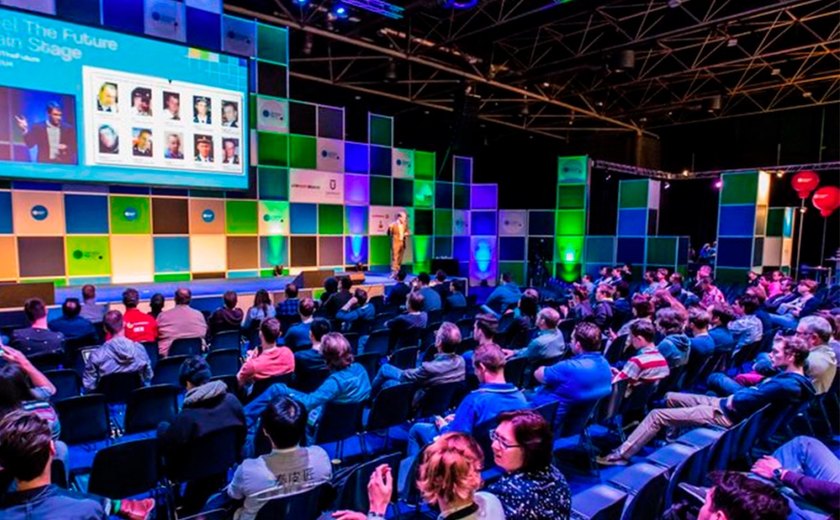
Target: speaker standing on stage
398	230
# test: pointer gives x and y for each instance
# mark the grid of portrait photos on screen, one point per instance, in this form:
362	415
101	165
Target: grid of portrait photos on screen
143	121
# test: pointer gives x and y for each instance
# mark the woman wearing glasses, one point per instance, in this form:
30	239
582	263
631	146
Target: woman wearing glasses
532	488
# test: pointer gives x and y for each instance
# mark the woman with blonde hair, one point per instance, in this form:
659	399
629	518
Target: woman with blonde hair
449	478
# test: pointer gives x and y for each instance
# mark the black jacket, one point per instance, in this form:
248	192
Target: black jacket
207	408
399	292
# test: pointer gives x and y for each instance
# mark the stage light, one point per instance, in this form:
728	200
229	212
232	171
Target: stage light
780	174
459	4
307	44
301	2
719	184
340	11
685	173
667	186
391	73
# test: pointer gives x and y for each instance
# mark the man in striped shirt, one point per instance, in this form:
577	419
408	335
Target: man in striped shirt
648	365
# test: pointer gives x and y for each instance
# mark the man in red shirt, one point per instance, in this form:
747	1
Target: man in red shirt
139	326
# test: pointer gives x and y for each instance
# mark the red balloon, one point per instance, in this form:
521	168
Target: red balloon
805	182
826	199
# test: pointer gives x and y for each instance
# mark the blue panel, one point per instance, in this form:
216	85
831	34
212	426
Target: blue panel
443	247
737	221
204	29
483	222
443	195
172	254
123	15
86	214
81	11
243	274
541	223
355	249
461	249
380	161
304	218
5	212
462	167
356	219
632	222
356	158
511	248
630	251
734	252
40	186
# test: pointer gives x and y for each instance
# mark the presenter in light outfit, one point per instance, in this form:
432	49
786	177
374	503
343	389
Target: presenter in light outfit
398	230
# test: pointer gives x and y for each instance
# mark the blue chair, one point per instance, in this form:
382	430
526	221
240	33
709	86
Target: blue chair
118	386
125	469
378	342
392	407
148	407
309	381
687	464
167	371
261	385
352	494
515	371
646	484
67	383
84	419
151	348
185	347
229	339
224	362
370	361
437	399
405	357
303	506
600	502
338	422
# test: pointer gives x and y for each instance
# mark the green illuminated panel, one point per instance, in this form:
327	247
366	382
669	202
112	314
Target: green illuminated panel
729	275
380	130
88	255
516	270
568	250
330	219
633	193
571	196
380	250
424	194
572	170
172	277
443	222
130	215
241	217
272	149
422	249
661	251
380	191
570	222
302	151
424	165
739	188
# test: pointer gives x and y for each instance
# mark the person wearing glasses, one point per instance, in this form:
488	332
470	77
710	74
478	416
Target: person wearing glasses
532	488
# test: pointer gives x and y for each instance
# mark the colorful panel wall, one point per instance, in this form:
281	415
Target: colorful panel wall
742	224
571	221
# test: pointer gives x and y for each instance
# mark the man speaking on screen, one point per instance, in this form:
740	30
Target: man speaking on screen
398	230
56	141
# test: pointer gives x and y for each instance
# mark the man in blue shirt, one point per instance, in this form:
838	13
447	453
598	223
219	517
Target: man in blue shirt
71	324
456	301
721	316
432	301
357	313
297	337
492	397
584	377
702	342
289	306
504	296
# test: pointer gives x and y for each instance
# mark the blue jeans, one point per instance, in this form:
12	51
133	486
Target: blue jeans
722	385
420	435
809	457
785	321
388	376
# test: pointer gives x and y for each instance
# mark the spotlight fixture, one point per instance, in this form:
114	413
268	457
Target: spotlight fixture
780	174
459	4
307	44
667	186
807	94
732	42
675	3
715	103
719	184
685	173
340	11
391	73
301	2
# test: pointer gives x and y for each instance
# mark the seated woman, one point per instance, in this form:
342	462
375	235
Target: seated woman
348	383
532	488
261	310
449	478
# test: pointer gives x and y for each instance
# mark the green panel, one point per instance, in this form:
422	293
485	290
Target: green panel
272	44
424	165
273	183
571	196
775	222
739	188
516	270
57	282
380	191
266	273
725	275
661	251
380	250
422	267
568	250
172	277
274	250
570	222
572	170
272	149
600	250
302	151
330	219
424	194
241	217
422	249
88	255
568	272
380	130
443	222
633	193
130	216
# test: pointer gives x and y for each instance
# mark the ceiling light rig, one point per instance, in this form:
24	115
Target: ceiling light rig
379	7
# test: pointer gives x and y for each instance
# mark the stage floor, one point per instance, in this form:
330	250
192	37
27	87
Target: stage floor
201	288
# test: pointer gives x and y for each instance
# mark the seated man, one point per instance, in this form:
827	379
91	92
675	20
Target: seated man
492	397
37	338
311	359
357	313
139	326
602	312
297	337
228	317
416	317
647	366
805	304
26	454
92	311
549	342
118	355
702	343
181	321
446	367
721	315
289	306
289	468
455	300
399	291
70	324
746	328
337	300
431	299
504	296
811	470
789	388
642	308
736	496
584	377
675	345
269	360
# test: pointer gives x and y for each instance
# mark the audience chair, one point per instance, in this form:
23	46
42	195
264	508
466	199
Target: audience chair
405	357
167	370
125	469
378	342
515	370
185	347
391	407
84	419
437	399
152	352
352	493
338	422
67	383
645	484
261	385
148	407
229	339
310	381
224	362
306	505
117	387
600	502
370	361
48	360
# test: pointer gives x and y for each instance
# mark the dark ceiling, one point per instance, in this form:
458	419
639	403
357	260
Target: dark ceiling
550	67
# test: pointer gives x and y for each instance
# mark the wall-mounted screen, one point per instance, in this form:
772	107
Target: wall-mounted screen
84	104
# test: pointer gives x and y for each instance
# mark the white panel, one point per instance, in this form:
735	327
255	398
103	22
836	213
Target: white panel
513	223
402	163
330	155
316	187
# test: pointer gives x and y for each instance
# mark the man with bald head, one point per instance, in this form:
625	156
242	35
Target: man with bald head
182	321
398	230
549	342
